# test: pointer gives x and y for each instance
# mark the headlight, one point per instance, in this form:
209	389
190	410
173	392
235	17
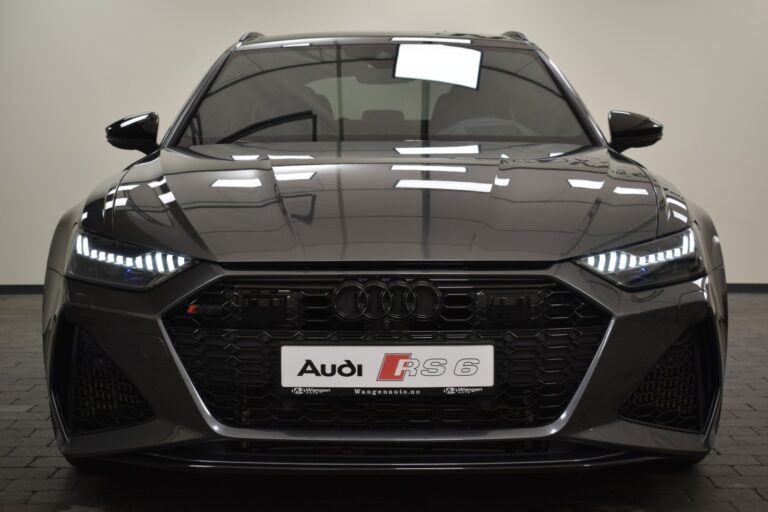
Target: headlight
95	258
667	260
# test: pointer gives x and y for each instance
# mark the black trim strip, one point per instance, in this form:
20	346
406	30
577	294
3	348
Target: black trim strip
21	289
389	265
748	288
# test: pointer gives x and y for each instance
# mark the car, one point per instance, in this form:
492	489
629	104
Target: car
376	251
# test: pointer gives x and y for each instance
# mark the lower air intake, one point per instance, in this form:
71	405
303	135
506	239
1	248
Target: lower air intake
679	391
93	392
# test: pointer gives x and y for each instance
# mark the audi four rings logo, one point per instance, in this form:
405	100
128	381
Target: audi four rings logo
394	299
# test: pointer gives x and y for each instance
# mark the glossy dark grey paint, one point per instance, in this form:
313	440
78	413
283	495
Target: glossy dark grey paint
350	215
538	208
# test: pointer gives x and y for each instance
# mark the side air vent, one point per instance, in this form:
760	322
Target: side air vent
91	391
679	391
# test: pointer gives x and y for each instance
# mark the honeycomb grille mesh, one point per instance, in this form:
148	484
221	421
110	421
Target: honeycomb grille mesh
102	396
677	393
545	337
308	305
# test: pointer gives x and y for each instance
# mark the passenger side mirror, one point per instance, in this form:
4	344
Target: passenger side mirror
629	130
135	132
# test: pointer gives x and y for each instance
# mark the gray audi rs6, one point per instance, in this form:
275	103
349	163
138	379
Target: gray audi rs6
370	252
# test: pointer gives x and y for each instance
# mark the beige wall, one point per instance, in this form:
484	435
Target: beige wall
68	68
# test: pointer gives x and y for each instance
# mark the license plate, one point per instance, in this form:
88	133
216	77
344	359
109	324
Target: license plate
449	367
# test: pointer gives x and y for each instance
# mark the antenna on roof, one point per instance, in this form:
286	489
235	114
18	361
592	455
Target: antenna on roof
514	34
251	35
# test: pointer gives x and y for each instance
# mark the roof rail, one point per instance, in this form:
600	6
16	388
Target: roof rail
514	34
251	35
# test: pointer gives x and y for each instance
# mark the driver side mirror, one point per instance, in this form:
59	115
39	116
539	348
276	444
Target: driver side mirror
630	130
135	132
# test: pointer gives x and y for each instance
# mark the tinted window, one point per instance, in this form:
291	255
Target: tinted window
366	92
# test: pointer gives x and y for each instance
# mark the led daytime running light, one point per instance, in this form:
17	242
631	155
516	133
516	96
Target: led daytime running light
156	261
620	261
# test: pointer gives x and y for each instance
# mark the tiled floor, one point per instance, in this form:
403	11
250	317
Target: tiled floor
34	477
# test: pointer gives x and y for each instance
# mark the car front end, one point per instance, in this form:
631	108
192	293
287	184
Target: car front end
384	303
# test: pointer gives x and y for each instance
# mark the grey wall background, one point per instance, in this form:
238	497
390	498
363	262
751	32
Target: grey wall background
67	69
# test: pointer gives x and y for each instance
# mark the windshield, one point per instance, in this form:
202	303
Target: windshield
420	92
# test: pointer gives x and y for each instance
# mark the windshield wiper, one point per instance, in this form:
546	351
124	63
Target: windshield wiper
268	123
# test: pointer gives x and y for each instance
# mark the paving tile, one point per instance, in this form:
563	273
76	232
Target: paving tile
740	482
46	433
718	470
50	462
24	441
701	495
10	497
16	473
714	506
32	424
14	408
51	497
751	470
41	484
731	460
26	507
751	506
15	462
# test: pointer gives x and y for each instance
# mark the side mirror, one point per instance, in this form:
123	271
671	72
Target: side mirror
135	132
629	130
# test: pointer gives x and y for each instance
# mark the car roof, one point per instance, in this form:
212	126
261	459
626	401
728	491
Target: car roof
253	40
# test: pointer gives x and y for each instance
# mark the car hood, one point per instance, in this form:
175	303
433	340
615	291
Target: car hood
370	202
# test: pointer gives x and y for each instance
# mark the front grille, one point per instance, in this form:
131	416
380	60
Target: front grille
93	393
228	338
679	391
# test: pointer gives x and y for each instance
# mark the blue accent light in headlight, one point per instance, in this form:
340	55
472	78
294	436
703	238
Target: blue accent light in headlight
164	263
117	263
663	261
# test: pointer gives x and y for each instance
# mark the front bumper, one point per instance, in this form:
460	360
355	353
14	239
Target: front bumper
184	434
